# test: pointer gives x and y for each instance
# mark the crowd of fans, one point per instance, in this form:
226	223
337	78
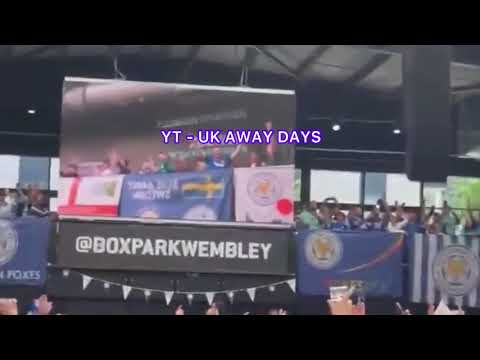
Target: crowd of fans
383	217
342	306
29	201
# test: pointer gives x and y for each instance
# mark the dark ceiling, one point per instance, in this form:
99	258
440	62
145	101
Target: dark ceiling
360	85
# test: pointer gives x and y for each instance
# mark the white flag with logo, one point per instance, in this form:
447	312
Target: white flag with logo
265	194
91	196
445	268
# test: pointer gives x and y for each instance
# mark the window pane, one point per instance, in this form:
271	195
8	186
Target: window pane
9	166
434	194
54	173
343	185
34	171
460	190
375	187
400	189
298	184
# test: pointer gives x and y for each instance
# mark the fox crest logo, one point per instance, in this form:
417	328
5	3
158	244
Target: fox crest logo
323	249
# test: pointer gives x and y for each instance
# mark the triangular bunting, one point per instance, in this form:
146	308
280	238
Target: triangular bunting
126	291
251	293
168	297
293	284
85	281
210	297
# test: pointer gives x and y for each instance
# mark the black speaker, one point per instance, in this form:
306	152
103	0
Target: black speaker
427	114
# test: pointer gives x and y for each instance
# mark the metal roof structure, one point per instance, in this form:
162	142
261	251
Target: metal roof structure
375	67
351	81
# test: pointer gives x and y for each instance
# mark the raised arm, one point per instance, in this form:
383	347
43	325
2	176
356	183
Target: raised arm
235	153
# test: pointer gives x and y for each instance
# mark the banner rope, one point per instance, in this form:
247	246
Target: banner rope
290	282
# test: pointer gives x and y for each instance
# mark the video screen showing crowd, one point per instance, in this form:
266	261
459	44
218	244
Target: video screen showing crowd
116	161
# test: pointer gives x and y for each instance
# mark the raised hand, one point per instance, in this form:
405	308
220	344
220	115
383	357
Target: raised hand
213	310
44	307
344	306
8	307
277	312
282	312
179	311
359	309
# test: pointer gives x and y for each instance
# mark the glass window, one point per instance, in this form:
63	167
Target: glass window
343	185
461	191
34	171
9	166
375	187
298	185
434	194
54	173
400	189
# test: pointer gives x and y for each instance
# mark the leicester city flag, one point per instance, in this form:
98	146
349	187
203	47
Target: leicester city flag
370	259
23	251
445	267
179	196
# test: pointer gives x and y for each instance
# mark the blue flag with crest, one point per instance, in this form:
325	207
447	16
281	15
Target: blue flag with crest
179	196
23	251
372	260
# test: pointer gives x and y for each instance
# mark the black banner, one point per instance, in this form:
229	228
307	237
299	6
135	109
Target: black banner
199	249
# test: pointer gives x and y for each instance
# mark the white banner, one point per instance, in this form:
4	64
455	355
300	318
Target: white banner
265	194
90	196
104	191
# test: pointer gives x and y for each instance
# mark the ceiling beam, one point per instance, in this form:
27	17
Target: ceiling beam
251	56
311	59
366	70
265	52
463	55
191	58
40	50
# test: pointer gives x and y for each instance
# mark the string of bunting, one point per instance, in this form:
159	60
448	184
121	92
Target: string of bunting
209	295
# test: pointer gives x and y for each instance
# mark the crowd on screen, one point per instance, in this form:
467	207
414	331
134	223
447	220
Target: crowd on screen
28	201
197	157
384	217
